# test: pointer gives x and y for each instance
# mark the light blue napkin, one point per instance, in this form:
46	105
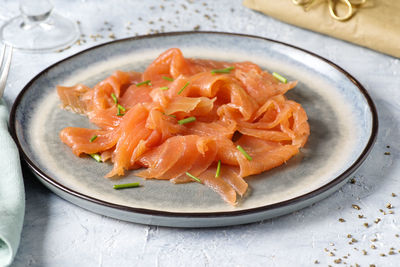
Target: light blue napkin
12	195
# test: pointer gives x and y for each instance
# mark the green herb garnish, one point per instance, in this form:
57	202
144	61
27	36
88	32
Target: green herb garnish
187	120
218	169
148	82
122	186
183	88
114	97
167	78
226	70
170	115
244	153
94	137
164	88
96	157
119	107
279	77
193	177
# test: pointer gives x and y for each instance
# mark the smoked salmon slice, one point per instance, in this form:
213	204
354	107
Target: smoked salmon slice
189	120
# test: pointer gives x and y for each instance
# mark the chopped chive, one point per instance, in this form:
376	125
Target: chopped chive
121	107
96	157
119	110
193	177
167	78
148	82
226	70
114	97
218	169
164	88
122	186
244	153
279	77
170	115
183	88
187	120
93	138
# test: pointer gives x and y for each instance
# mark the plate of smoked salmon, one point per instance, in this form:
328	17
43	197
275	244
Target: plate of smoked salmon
194	129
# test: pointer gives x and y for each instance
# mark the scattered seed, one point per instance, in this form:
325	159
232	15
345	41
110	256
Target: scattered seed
354	240
360	216
391	212
396	235
377	220
316	262
383	254
356	207
349	236
331	254
327	250
364	252
394	195
391	252
389	206
345	257
196	28
331	244
337	261
387	153
374	240
387	146
352	181
341	220
366	225
373	246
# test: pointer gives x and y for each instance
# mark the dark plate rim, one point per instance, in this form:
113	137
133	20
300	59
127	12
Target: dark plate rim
159	213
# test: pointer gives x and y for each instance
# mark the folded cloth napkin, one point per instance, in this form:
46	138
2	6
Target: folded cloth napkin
375	25
12	195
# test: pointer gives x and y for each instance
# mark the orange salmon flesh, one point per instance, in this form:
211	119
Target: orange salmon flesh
181	116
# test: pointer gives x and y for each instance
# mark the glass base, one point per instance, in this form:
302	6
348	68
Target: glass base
52	34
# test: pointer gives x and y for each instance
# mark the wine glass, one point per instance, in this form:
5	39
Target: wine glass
38	28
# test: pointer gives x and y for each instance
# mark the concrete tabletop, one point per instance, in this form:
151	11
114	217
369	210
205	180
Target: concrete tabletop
359	224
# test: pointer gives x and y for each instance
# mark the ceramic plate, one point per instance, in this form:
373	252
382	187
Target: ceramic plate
342	118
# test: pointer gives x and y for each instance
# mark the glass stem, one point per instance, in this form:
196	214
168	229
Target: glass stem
34	12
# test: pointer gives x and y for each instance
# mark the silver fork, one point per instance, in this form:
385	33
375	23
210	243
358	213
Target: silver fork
6	55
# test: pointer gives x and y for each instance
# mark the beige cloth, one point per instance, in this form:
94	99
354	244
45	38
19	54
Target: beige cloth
375	25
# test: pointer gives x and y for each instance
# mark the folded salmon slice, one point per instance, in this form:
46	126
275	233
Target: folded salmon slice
179	119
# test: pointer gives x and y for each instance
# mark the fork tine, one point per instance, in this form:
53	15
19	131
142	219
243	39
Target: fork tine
4	72
2	55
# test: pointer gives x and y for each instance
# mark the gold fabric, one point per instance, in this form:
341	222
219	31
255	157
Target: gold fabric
375	24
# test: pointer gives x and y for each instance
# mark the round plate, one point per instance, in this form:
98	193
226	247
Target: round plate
342	119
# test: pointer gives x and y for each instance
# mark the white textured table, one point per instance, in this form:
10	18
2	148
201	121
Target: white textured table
57	233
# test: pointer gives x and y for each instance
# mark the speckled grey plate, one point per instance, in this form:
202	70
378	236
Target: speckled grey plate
342	117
